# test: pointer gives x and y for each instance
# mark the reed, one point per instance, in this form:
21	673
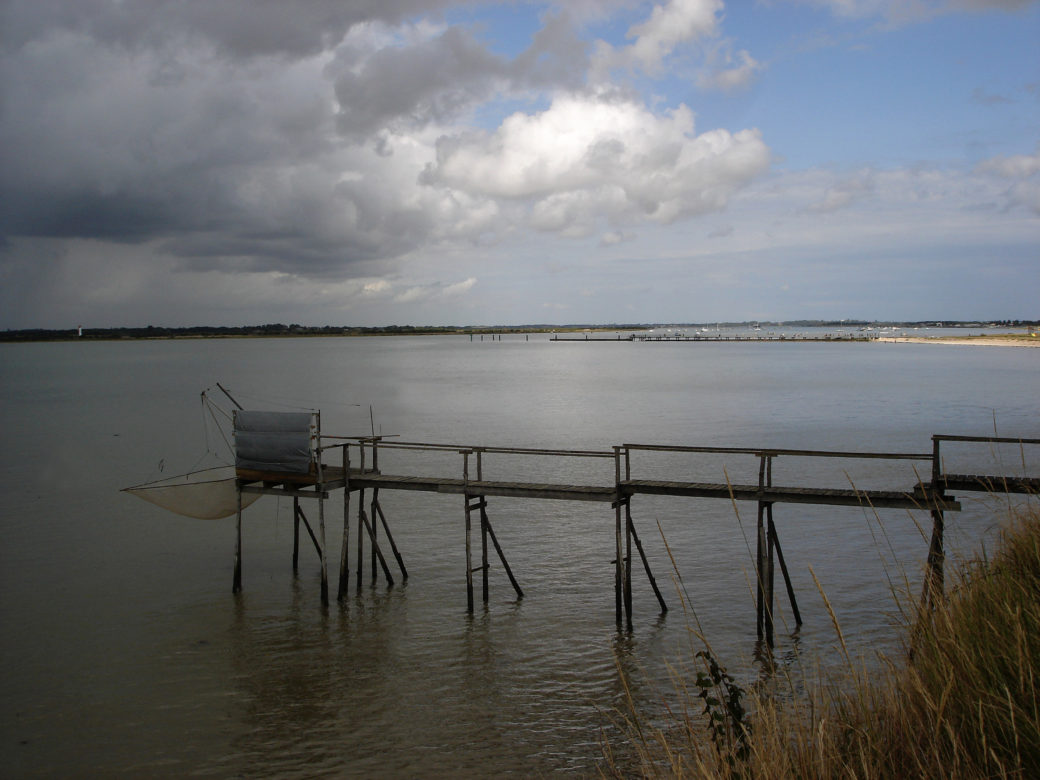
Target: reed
964	703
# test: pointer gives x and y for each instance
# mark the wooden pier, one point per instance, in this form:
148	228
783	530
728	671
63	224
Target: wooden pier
357	472
709	338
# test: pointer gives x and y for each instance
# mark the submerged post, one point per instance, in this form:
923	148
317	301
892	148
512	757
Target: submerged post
236	583
765	573
296	536
344	560
619	564
934	578
361	524
377	510
324	557
484	565
783	568
498	548
628	566
760	552
469	524
375	503
321	517
770	570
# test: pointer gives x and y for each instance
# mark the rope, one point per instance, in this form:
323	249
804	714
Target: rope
285	403
268	401
220	430
210	406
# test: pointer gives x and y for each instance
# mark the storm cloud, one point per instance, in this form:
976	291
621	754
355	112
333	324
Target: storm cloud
307	137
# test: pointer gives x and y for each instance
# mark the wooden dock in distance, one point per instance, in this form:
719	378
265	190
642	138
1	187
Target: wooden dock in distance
360	472
709	338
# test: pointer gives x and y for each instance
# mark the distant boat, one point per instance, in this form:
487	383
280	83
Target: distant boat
209	494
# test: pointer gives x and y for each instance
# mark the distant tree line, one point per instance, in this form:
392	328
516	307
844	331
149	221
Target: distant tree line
281	329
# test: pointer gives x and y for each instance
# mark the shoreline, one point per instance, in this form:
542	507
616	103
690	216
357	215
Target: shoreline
569	333
1008	340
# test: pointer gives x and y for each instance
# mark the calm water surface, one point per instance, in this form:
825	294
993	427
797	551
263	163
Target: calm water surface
125	654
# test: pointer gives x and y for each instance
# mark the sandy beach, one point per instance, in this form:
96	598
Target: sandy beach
1003	340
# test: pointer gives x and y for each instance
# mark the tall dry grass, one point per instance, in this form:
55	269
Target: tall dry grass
965	705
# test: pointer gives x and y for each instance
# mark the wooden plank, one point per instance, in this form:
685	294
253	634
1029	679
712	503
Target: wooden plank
918	498
985	439
790	495
773	451
253	475
279	491
454	486
990	484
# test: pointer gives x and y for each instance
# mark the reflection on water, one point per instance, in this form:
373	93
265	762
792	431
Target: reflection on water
125	652
373	689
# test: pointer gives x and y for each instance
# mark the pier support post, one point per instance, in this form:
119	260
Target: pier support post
365	526
360	538
619	562
377	511
484	552
344	560
236	582
360	525
764	553
373	531
936	558
324	557
483	533
299	515
296	537
628	566
375	502
769	554
783	568
760	566
769	578
934	585
630	524
469	526
642	555
498	548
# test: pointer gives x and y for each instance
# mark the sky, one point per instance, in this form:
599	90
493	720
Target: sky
437	162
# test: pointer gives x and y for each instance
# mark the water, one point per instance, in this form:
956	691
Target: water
125	654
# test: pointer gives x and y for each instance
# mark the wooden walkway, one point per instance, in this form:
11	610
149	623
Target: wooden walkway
497	489
932	496
921	497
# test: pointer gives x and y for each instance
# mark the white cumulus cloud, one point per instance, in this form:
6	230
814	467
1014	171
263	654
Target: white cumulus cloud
727	71
1017	166
592	156
669	25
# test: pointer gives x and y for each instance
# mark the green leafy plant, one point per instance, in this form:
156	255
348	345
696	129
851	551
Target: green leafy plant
728	723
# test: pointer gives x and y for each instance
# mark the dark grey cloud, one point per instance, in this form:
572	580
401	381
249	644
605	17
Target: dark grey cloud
435	80
240	28
243	133
432	80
